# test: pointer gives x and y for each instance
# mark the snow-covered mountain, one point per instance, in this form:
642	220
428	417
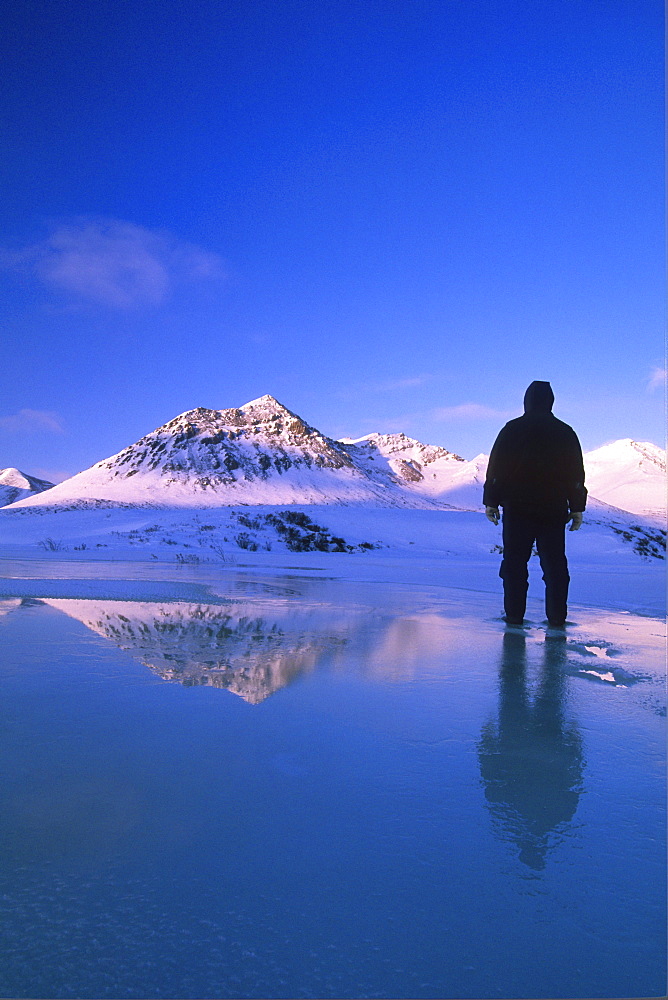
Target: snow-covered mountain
16	485
423	469
263	453
628	474
260	453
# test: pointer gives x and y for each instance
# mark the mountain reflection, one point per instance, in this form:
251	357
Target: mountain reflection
256	646
238	646
531	757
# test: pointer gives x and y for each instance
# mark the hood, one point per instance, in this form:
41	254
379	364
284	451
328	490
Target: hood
538	398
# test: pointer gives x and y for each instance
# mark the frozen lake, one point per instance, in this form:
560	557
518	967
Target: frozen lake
282	786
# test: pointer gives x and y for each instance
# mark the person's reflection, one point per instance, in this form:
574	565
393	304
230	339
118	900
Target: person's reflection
531	758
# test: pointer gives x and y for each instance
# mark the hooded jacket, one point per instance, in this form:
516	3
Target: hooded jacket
536	462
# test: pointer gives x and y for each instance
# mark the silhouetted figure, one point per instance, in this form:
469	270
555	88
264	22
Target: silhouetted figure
531	758
537	475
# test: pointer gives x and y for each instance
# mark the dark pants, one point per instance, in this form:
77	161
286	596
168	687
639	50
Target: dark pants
520	531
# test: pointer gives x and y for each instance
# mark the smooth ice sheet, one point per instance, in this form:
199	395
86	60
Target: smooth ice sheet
302	787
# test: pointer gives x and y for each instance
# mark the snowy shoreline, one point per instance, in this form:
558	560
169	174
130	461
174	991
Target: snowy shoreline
632	590
616	558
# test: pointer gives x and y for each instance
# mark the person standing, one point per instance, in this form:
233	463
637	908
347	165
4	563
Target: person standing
536	474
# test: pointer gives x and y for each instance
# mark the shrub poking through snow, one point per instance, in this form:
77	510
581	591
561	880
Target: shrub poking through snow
648	543
244	541
297	532
52	545
219	549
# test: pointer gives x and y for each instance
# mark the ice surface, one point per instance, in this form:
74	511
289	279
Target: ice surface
233	781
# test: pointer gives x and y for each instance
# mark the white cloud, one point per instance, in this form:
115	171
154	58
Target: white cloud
113	263
31	422
657	379
402	383
469	411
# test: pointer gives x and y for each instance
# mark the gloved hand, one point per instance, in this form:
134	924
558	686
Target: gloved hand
576	518
492	514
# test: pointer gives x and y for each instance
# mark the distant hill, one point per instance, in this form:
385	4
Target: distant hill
423	470
629	474
16	485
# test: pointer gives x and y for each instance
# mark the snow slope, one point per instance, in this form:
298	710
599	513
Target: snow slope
16	485
629	474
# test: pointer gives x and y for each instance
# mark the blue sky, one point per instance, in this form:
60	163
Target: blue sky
389	214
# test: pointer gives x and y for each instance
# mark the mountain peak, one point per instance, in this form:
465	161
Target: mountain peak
628	474
13	477
400	445
19	480
255	453
630	451
265	403
16	485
